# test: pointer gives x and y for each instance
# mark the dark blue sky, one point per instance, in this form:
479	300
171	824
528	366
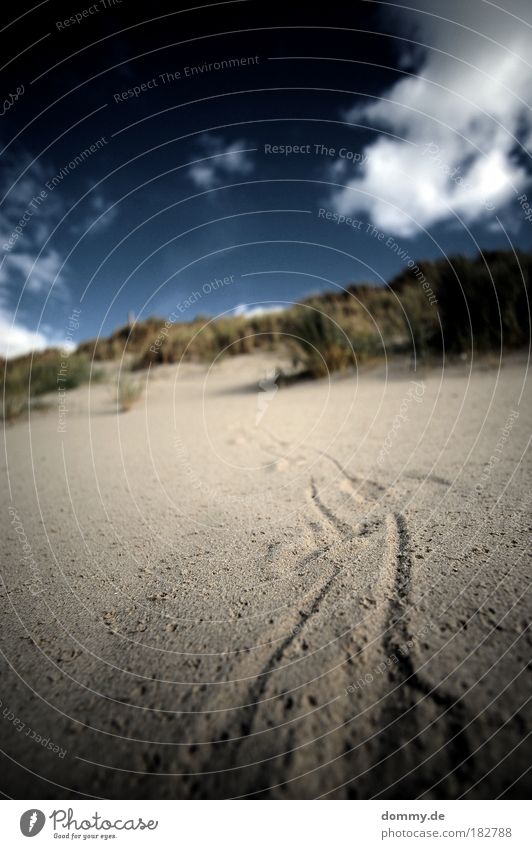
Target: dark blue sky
417	130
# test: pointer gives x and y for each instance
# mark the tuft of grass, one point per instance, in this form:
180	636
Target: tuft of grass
128	392
26	378
321	345
14	407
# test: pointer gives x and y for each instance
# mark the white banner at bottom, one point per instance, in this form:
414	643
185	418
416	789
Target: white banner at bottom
262	825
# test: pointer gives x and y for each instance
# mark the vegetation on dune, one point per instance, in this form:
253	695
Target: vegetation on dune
27	378
457	305
128	392
201	340
454	305
320	343
482	303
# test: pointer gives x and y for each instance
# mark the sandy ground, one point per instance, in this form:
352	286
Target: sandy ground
232	591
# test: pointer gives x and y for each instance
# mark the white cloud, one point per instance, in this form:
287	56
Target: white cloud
100	216
16	339
24	208
38	274
26	221
252	310
229	160
458	121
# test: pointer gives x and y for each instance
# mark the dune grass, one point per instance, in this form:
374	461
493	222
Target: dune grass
128	392
321	345
455	305
25	379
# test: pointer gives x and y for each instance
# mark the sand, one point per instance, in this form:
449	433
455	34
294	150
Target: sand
315	591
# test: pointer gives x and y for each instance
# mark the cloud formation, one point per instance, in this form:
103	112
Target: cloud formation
27	218
254	310
16	339
225	160
461	120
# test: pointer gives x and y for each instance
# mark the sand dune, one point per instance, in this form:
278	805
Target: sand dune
234	589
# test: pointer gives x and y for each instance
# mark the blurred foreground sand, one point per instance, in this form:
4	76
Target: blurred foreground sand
235	590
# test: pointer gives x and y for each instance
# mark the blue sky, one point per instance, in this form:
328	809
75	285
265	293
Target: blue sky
410	130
